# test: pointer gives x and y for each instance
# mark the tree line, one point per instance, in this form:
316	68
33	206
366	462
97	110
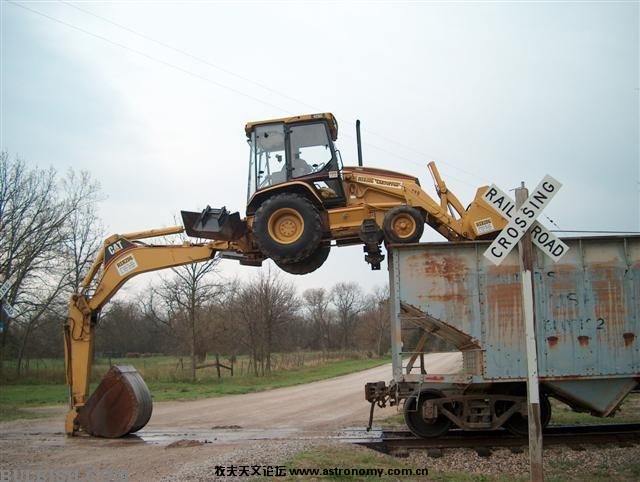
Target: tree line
50	234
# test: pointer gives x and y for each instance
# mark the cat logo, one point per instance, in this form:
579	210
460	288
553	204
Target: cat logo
116	249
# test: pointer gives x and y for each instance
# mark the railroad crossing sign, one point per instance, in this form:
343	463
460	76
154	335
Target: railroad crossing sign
523	219
8	309
7	285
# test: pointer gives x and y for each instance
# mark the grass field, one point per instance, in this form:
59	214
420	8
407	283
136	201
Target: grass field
166	380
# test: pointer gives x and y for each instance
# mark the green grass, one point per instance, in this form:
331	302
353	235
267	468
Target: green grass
33	395
629	412
162	390
9	413
16	397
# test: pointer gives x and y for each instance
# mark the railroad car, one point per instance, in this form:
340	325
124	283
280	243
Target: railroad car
587	312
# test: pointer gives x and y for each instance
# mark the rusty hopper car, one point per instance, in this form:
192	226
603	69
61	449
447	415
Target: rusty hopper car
587	309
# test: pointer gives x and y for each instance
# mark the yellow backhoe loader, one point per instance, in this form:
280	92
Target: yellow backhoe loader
301	201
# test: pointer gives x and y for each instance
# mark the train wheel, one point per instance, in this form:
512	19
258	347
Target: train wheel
518	424
418	423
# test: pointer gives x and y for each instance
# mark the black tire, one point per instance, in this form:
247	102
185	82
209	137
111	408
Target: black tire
309	264
287	228
424	427
403	224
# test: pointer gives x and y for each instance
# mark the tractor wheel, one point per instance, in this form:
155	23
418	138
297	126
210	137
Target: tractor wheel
403	224
308	265
419	424
287	228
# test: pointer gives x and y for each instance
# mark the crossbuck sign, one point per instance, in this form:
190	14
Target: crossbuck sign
523	219
9	310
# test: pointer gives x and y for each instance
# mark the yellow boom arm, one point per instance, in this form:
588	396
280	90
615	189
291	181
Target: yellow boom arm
121	258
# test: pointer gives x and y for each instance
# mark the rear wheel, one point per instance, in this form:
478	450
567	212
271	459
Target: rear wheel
287	228
403	224
518	424
309	264
420	423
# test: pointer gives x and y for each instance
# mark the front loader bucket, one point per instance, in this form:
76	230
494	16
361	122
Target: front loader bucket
120	405
213	223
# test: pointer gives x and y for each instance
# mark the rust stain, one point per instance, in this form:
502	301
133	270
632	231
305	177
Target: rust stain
449	267
553	341
583	340
628	338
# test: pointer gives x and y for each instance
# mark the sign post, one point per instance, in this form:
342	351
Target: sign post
523	229
525	250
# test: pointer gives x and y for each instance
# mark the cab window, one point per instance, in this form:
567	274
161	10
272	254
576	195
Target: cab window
310	148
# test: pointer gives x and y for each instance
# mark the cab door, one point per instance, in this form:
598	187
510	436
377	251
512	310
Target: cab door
312	158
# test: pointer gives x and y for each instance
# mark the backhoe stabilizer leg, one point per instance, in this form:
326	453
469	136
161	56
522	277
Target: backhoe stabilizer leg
373	256
372	237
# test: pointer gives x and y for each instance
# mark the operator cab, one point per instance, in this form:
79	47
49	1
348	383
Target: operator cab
296	149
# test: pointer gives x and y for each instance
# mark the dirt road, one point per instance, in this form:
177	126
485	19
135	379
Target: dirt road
203	430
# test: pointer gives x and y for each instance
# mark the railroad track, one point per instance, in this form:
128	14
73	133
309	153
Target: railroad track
399	442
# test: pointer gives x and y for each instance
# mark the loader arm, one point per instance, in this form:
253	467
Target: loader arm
448	201
121	258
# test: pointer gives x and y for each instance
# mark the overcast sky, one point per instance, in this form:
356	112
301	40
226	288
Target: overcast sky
152	97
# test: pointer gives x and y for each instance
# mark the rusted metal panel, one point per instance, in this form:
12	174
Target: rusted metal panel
587	308
587	305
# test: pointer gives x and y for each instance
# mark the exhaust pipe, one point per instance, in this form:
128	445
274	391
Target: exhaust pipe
359	141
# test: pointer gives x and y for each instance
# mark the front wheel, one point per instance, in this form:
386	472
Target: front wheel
309	264
287	228
419	421
403	224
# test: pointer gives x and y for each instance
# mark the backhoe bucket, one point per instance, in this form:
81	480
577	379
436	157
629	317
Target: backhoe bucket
213	223
120	405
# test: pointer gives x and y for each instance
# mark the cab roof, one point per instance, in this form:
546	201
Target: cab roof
331	121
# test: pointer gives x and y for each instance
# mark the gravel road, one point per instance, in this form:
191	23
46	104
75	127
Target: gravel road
184	440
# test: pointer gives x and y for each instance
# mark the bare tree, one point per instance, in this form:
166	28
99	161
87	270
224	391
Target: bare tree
180	303
374	329
84	231
320	316
35	234
265	306
348	301
125	328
